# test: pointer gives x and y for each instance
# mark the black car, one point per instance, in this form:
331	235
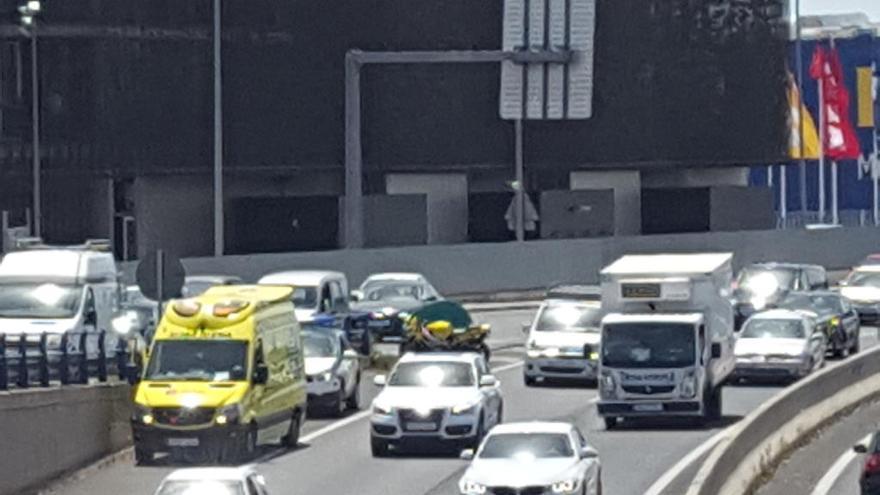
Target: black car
869	480
763	285
834	315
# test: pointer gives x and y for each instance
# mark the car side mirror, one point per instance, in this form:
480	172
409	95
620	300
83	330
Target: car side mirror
716	350
261	374
350	354
91	318
526	327
860	448
431	298
466	455
379	380
589	453
488	381
356	296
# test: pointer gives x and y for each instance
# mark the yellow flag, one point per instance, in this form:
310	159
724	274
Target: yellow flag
807	132
865	87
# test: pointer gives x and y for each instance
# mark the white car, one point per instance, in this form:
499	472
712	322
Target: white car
533	458
314	292
384	296
333	372
779	344
214	481
563	341
450	399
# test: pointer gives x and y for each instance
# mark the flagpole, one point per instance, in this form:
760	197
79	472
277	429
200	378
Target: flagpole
835	217
770	176
875	178
821	153
783	206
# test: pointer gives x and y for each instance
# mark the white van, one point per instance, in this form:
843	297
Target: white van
314	292
60	290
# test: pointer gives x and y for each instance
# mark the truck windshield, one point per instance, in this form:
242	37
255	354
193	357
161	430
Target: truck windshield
205	360
305	297
39	300
648	345
569	318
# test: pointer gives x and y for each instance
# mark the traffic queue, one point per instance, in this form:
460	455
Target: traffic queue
229	366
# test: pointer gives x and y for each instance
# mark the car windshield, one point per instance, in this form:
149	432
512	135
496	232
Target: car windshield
526	447
437	374
648	345
766	280
305	296
823	305
205	487
208	360
864	279
568	318
385	290
773	329
39	300
316	345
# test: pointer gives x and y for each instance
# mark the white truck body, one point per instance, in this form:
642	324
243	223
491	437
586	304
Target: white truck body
667	335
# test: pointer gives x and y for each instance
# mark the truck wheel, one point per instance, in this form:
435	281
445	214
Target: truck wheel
379	447
354	401
715	405
291	440
143	457
611	422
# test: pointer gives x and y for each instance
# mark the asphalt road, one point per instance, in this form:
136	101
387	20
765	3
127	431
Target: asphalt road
334	457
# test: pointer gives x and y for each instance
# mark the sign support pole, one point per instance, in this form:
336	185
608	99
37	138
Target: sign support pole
821	154
520	186
835	215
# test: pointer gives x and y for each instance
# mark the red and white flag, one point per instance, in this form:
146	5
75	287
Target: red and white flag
838	134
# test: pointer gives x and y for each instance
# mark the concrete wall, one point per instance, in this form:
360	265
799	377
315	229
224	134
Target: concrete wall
47	433
577	214
76	208
507	266
627	196
174	213
447	202
395	220
696	177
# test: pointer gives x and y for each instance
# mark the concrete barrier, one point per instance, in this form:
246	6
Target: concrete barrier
49	432
493	267
754	446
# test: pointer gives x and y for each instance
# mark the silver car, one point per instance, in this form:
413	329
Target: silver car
779	344
333	372
533	458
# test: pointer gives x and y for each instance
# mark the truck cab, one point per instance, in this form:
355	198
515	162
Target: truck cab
667	336
314	292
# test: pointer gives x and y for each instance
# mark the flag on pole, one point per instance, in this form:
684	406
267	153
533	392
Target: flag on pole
806	131
838	135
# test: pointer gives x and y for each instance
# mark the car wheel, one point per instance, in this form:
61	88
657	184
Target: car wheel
291	440
379	447
857	343
142	457
248	446
354	401
611	422
481	432
529	381
500	413
338	407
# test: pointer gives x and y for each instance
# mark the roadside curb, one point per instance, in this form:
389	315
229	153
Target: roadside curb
83	473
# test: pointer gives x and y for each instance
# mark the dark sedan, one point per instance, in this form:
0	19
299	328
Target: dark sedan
869	481
833	314
384	297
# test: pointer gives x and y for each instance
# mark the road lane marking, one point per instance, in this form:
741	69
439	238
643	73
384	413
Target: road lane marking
829	479
366	414
671	475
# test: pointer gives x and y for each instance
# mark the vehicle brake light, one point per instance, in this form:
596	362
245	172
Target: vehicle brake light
228	308
187	308
872	464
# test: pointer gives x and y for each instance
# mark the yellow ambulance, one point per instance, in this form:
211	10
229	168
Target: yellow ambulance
225	374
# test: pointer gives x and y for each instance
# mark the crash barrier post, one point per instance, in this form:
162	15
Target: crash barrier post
28	360
753	447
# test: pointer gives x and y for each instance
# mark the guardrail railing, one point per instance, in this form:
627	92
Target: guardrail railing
30	360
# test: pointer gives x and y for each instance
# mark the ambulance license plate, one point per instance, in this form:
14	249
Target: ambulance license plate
183	442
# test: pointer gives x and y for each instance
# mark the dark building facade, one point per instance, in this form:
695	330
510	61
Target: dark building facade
127	87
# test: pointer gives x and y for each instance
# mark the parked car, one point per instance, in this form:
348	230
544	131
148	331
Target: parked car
869	479
314	292
779	344
384	296
435	398
333	372
834	316
216	481
563	339
196	285
761	285
862	287
527	458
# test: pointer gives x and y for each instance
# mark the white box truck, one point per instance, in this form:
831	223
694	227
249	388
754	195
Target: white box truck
667	336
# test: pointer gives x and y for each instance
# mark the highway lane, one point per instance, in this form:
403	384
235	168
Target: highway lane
338	461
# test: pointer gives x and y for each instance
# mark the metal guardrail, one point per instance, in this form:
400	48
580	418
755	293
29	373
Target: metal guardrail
26	360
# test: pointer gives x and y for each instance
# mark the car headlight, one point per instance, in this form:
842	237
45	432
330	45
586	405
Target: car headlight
689	385
228	415
381	409
609	388
142	415
466	409
323	377
472	488
566	486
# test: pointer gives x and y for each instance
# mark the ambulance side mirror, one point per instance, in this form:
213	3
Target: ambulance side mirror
261	374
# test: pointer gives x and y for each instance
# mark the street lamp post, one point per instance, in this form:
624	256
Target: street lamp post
799	67
218	134
29	12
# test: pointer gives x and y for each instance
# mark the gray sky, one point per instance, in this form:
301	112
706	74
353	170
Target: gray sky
870	7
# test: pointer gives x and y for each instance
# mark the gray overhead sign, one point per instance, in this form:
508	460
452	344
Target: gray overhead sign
548	90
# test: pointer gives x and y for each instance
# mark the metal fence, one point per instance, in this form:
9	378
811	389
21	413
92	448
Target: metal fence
847	218
28	360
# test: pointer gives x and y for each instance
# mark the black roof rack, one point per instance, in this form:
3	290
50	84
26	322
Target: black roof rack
575	292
